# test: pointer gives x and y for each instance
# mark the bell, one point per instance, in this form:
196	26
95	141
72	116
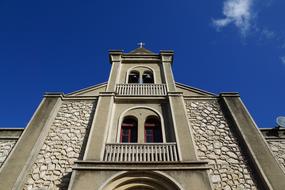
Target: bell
147	76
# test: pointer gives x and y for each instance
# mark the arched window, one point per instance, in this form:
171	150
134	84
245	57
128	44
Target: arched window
147	77
134	77
129	130
152	130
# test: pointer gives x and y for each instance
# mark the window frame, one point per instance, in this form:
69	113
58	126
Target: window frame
132	130
156	130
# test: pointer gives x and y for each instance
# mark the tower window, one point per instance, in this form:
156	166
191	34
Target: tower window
134	77
147	77
129	130
152	130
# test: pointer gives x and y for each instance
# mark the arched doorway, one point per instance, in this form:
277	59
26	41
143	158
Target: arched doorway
140	181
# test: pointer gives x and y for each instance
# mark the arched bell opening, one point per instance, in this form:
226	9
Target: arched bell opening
134	77
147	77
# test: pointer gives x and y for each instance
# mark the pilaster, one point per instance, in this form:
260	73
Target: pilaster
267	170
166	60
181	127
115	60
14	168
100	125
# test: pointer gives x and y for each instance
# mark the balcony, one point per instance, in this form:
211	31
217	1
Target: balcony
148	152
141	89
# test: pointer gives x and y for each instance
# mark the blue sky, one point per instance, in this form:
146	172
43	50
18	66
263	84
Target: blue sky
220	46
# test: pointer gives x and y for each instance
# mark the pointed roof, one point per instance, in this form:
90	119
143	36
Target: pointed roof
141	50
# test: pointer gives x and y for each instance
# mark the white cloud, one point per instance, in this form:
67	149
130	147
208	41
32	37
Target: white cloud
268	34
282	59
238	12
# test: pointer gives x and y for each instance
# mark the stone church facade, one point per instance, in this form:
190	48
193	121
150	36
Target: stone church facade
141	130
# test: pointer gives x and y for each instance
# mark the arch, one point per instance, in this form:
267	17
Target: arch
140	180
141	70
129	130
152	129
157	113
134	77
147	77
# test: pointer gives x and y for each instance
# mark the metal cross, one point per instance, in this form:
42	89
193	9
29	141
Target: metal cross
141	44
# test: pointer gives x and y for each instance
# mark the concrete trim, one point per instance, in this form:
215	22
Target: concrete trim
9	138
171	178
12	129
38	145
136	60
162	174
107	93
87	147
174	93
274	139
135	166
145	56
229	94
95	126
68	97
194	144
11	133
136	98
113	75
254	144
114	53
199	98
273	133
87	89
198	162
139	169
197	90
19	156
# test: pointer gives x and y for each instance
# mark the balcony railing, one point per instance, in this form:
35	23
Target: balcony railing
141	89
148	152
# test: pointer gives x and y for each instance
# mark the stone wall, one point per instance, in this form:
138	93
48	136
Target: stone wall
62	146
5	148
278	149
216	143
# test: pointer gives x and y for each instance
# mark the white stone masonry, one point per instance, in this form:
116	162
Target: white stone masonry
53	165
5	148
278	149
216	143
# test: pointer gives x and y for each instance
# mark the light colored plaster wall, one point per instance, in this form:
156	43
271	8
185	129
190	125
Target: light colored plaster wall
62	146
278	149
216	143
5	148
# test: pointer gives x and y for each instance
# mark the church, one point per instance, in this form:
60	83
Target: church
142	130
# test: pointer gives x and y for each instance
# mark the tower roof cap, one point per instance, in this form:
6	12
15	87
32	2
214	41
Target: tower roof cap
141	50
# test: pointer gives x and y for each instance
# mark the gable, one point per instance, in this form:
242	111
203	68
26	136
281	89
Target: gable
90	91
191	91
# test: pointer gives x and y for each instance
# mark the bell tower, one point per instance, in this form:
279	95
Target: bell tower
140	130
